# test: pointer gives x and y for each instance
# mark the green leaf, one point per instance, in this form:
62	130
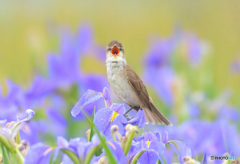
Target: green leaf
129	140
137	156
18	139
19	156
5	155
99	150
92	128
163	158
51	158
4	142
103	141
90	154
174	144
71	155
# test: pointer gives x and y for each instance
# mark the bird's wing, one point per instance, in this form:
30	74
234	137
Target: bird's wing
151	112
136	83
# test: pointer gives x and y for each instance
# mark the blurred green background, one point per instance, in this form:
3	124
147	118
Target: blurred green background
24	40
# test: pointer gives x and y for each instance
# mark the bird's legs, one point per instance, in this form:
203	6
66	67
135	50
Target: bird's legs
128	111
134	107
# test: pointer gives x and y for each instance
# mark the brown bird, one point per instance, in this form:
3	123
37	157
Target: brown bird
128	86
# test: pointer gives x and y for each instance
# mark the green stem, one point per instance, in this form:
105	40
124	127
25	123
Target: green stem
71	155
90	155
19	156
103	141
18	139
137	156
4	141
129	141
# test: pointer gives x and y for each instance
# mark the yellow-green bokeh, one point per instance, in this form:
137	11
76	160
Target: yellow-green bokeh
24	41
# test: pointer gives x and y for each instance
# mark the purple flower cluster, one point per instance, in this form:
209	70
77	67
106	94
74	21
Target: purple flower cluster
172	67
205	121
47	94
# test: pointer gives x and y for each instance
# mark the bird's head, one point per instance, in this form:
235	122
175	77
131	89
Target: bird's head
115	51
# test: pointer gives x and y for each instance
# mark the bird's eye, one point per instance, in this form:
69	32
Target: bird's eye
120	49
109	49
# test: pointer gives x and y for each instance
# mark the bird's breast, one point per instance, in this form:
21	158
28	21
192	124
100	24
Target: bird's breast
118	82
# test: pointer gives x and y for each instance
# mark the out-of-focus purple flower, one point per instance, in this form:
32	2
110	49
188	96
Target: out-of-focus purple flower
8	133
117	152
138	119
195	48
235	65
29	115
84	41
89	100
107	97
39	90
194	110
229	113
78	146
106	117
162	136
86	45
59	68
93	82
154	148
181	149
38	154
160	53
162	80
212	138
32	131
10	104
58	122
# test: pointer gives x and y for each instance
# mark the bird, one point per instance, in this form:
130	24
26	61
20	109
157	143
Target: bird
128	86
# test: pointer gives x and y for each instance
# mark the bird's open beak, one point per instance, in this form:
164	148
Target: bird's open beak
115	51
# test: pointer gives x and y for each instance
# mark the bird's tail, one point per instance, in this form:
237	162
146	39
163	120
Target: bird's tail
153	115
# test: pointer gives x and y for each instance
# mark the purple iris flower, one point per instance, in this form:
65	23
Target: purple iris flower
154	148
138	119
59	68
117	152
32	130
205	137
79	146
229	113
38	92
73	49
195	48
160	53
84	40
93	82
38	154
235	67
162	80
10	104
9	132
181	149
106	117
107	97
90	100
59	123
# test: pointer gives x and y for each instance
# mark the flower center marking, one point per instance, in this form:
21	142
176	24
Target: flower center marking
148	143
114	115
